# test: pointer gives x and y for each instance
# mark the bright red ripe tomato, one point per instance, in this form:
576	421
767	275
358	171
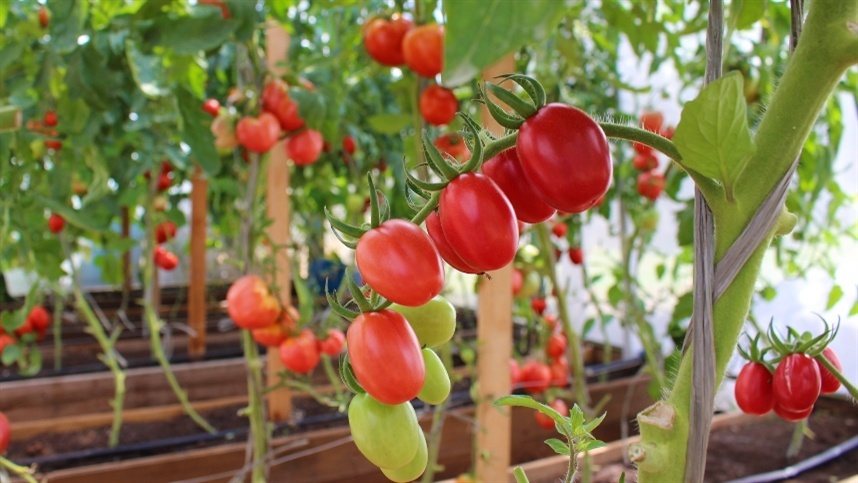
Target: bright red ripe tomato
165	180
165	259
576	255
545	421
650	185
423	49
300	354
258	134
349	144
792	416
796	383
560	229
334	343
5	430
400	262
641	148
250	304
50	118
386	356
164	231
559	372
54	144
538	304
645	162
652	121
44	20
212	106
305	147
438	105
271	336
478	222
506	171
56	223
753	389
276	100
436	233
565	156
39	318
383	40
830	384
556	346
454	145
535	377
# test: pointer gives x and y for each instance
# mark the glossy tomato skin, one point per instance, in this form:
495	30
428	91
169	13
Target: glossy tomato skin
349	144
545	421
438	105
436	387
559	372
535	377
796	383
565	156
386	356
165	259
506	171
556	346
259	134
50	118
270	336
454	145
333	344
164	231
5	432
276	100
423	49
576	255
478	222
436	233
414	468
56	223
399	261
300	354
650	185
383	40
645	162
304	147
250	304
387	435
434	322
39	318
830	384
753	389
792	416
212	107
538	304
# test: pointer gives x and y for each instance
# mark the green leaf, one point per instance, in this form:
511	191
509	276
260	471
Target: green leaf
713	135
195	131
244	12
474	42
10	53
529	402
147	70
684	307
745	13
190	35
590	445
311	106
558	446
854	309
4	13
66	24
10	354
88	78
834	296
388	123
86	221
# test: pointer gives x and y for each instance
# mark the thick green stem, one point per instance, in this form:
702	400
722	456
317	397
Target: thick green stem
797	439
853	391
255	411
520	476
829	45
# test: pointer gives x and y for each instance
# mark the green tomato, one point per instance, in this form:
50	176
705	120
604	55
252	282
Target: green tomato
388	436
436	386
529	287
528	254
354	203
649	221
434	322
414	468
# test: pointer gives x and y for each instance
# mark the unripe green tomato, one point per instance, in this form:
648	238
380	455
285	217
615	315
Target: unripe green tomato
434	322
354	203
529	254
414	468
529	287
436	387
38	148
388	436
649	220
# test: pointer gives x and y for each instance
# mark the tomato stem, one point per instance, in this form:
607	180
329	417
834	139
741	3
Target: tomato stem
499	145
21	471
649	138
853	391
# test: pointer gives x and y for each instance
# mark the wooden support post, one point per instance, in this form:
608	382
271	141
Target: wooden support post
278	211
197	279
494	335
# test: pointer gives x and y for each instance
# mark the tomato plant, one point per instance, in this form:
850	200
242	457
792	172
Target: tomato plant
387	435
544	421
423	49
645	162
212	107
270	336
434	322
276	100
796	383
349	144
438	105
652	121
44	17
258	134
753	389
447	253
792	416
535	377
383	39
304	147
50	118
576	255
506	171
556	346
538	304
250	304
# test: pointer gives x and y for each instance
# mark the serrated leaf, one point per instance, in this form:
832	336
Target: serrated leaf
388	123
147	71
472	43
195	131
558	446
713	135
834	296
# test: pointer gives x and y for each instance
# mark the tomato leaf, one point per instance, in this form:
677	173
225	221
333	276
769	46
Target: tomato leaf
86	221
190	35
834	296
713	135
195	131
10	354
745	13
529	402
502	27
147	70
558	446
388	123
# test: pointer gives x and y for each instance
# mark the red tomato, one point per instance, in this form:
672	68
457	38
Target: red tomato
436	233
506	171
565	156
556	346
538	305
438	105
44	20
792	416
250	304
796	383
645	162
830	384
39	318
212	106
165	259
271	336
349	145
383	40
54	144
305	147
652	121
517	281
56	223
753	389
276	100
559	372
423	49
478	222
576	255
642	149
50	118
386	356
334	343
454	145
400	262
650	185
165	180
5	430
535	377
545	421
560	229
164	231
668	132
300	354
259	134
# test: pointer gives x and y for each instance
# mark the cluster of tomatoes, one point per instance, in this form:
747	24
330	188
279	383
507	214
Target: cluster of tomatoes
36	323
791	390
164	258
650	183
253	307
46	128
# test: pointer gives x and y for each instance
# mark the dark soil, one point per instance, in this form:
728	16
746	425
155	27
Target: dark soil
760	447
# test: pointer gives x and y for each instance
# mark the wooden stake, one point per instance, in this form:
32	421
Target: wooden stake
278	211
494	333
197	282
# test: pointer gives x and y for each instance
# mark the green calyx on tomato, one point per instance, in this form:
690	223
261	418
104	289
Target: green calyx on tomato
387	435
436	387
433	322
521	109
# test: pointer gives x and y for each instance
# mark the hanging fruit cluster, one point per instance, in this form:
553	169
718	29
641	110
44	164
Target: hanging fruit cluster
650	182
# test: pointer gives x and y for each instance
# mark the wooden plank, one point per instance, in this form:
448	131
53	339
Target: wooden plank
197	282
278	211
494	331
